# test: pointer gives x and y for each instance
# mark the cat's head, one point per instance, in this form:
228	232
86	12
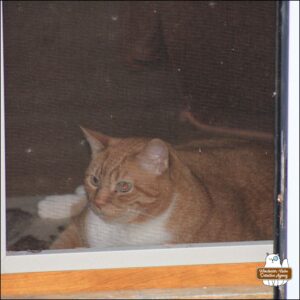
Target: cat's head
128	180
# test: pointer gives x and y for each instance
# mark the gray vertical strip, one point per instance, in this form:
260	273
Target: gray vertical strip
280	241
3	194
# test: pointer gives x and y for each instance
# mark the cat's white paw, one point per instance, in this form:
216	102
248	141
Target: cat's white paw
58	206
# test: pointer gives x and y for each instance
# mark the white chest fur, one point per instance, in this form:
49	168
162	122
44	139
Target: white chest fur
102	234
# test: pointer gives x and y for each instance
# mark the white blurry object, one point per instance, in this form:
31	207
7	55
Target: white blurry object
62	206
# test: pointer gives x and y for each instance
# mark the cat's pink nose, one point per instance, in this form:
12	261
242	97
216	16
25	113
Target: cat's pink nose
102	199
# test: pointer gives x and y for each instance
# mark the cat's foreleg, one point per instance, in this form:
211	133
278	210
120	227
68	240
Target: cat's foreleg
68	239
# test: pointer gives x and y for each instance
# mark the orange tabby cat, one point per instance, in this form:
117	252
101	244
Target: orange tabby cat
147	192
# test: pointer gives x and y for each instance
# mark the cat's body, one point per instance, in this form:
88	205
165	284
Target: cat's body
147	192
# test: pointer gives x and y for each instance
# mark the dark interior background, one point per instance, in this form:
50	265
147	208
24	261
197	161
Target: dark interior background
127	69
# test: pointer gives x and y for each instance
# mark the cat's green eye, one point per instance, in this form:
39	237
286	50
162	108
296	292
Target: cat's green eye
123	186
95	181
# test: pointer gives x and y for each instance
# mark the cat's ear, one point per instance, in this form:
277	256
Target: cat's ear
96	140
154	158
